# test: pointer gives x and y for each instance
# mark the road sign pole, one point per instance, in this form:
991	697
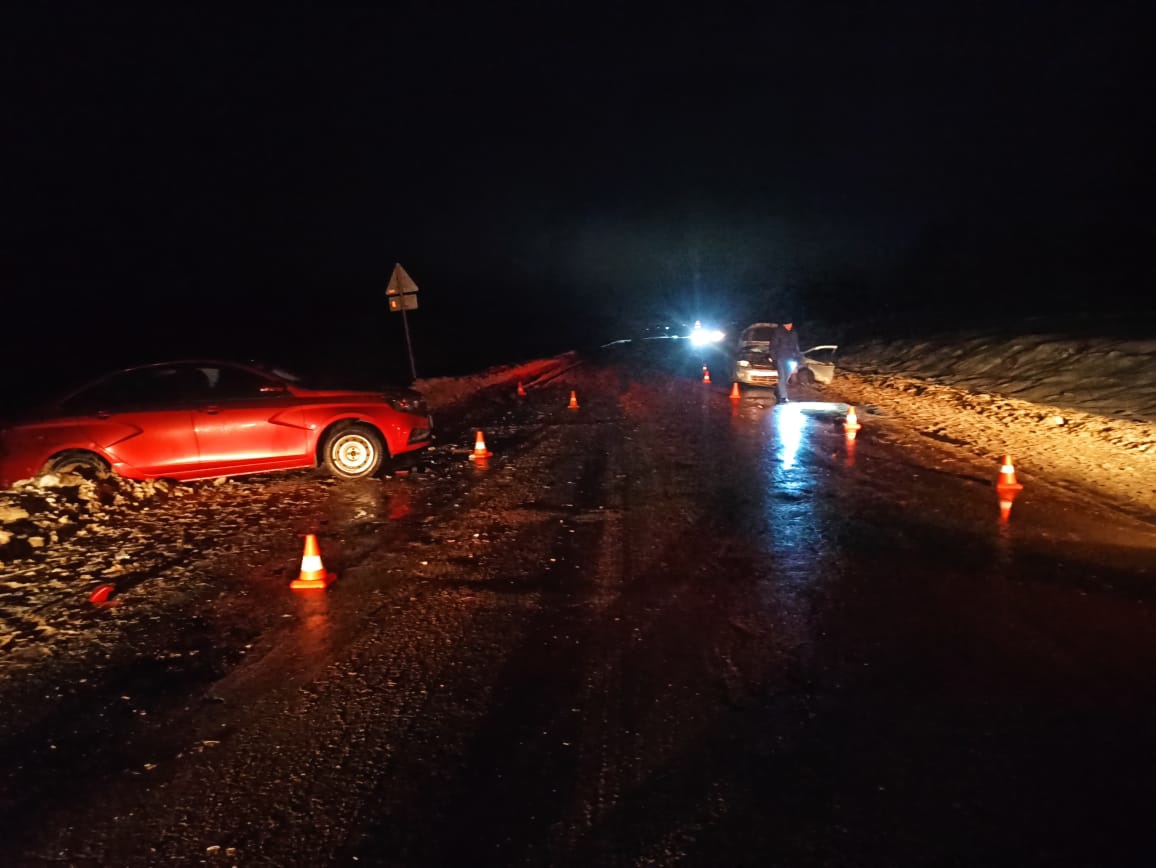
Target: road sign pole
408	344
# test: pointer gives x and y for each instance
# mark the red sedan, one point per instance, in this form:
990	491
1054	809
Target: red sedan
200	419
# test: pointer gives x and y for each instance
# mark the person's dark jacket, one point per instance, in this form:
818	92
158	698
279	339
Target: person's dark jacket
785	346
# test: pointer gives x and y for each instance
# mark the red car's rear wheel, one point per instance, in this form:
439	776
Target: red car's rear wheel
78	461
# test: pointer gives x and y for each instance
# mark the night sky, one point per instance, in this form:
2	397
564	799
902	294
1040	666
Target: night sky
224	183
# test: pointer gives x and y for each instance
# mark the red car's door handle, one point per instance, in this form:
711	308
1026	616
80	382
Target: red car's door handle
212	409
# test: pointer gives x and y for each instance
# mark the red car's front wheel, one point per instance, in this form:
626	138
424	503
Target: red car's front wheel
353	451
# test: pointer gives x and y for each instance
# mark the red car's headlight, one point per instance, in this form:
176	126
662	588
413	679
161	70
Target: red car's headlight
414	405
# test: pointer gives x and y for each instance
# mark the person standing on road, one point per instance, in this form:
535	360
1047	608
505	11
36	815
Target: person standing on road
787	355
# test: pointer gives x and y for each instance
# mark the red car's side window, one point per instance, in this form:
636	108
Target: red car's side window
144	389
237	384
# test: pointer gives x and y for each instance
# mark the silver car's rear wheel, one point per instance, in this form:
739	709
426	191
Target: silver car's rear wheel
353	452
806	376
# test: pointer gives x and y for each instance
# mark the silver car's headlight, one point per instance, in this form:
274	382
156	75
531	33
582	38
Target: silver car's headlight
743	363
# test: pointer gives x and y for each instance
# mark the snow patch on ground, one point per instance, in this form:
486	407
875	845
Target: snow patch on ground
1080	412
1102	376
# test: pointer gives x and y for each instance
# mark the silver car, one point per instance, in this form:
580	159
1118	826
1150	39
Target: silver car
753	365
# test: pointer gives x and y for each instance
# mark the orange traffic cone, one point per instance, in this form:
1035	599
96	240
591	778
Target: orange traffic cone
521	391
480	453
852	422
735	393
573	400
705	374
313	573
1007	476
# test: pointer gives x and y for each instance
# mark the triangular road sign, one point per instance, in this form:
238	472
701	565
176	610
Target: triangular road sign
400	283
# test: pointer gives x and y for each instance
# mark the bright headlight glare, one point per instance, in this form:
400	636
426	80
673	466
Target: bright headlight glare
743	363
701	337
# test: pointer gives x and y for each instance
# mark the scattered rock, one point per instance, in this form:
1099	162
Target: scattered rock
10	514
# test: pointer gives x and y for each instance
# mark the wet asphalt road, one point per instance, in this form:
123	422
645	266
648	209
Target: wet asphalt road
663	629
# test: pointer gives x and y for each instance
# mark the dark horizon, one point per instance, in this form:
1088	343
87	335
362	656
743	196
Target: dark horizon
189	183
